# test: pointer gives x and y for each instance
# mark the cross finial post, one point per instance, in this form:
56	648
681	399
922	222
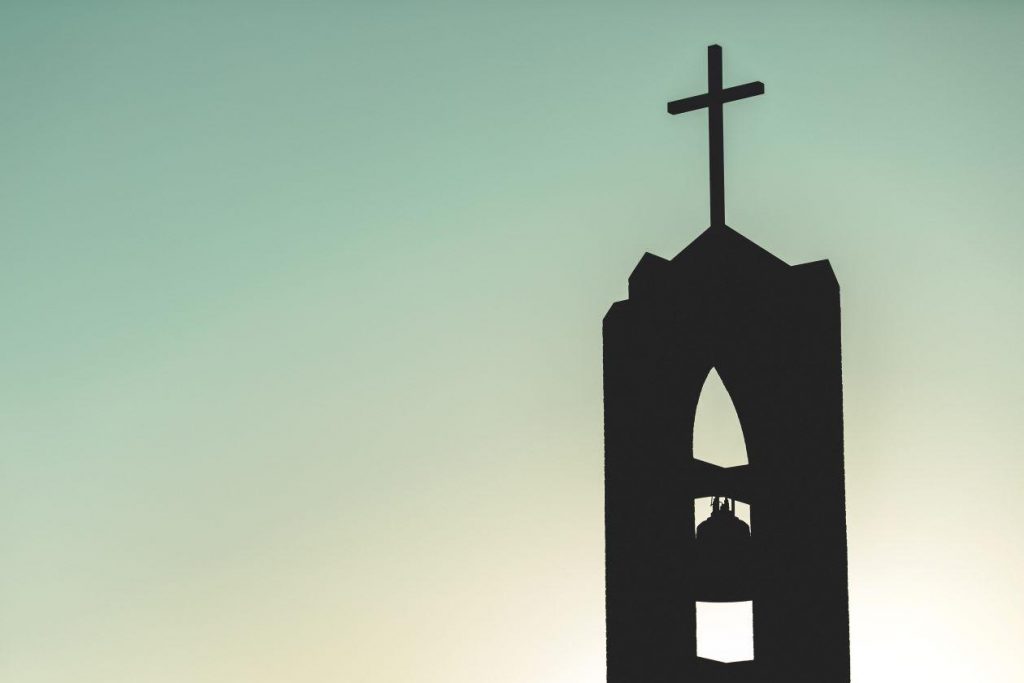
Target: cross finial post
713	100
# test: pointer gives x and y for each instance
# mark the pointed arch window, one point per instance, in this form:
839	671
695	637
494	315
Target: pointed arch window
717	435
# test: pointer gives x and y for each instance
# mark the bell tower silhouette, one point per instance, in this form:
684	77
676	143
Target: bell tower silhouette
772	332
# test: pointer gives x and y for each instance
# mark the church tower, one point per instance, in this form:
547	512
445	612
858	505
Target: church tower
772	332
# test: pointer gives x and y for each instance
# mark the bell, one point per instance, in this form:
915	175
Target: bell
723	555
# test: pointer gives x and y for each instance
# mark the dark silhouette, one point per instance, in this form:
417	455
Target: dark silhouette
713	100
772	331
723	556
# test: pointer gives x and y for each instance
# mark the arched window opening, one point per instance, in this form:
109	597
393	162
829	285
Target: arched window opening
717	435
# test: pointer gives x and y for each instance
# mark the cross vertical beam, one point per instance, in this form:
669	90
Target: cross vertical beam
716	146
713	100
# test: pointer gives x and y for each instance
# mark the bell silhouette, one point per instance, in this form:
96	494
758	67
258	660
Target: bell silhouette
723	556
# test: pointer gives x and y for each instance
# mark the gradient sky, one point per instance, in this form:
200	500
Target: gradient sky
301	363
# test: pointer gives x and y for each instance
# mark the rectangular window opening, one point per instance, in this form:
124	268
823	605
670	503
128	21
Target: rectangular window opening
725	631
702	510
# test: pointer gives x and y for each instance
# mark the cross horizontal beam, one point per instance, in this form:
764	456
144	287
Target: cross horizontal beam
737	92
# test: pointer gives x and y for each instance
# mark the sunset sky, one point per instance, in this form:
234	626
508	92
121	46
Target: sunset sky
301	362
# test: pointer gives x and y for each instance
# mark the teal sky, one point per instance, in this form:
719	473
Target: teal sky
301	363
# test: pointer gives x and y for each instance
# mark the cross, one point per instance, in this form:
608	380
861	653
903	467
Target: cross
713	100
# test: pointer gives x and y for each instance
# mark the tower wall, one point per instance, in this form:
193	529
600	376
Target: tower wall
773	333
